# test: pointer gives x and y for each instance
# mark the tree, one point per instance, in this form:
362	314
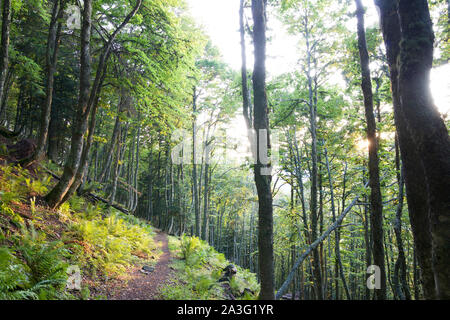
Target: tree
56	195
88	103
423	137
54	34
376	217
4	46
262	179
426	129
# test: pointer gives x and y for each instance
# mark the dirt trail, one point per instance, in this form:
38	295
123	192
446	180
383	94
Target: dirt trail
146	286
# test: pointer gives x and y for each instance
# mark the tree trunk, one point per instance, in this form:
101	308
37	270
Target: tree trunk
205	200
245	89
337	251
4	46
123	105
194	165
376	216
57	194
413	169
426	129
263	182
400	264
51	62
116	171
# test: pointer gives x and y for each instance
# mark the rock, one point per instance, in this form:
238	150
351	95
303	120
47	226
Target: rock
147	269
230	271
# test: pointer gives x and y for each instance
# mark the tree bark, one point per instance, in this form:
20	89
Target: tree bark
4	46
51	62
261	125
413	169
57	194
245	89
376	216
426	129
194	166
123	104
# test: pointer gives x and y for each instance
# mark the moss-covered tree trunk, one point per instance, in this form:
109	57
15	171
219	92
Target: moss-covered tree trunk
423	138
57	194
426	129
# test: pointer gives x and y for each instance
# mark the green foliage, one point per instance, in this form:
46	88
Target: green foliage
188	247
110	244
33	269
13	280
200	270
37	186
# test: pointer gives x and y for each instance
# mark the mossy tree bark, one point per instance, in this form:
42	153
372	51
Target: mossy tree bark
426	129
423	137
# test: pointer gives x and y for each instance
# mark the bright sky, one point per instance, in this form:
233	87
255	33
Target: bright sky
220	20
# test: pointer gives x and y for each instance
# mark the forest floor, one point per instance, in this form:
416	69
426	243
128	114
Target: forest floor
142	286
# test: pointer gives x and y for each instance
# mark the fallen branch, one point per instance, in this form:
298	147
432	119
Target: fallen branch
115	206
313	246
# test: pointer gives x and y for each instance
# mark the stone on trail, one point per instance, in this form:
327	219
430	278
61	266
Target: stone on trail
147	269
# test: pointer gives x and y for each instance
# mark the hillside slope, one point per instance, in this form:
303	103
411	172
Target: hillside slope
87	250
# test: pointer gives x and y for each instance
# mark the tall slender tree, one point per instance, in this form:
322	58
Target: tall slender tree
51	56
376	206
262	177
4	46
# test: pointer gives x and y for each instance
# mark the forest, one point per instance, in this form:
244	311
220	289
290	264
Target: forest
139	162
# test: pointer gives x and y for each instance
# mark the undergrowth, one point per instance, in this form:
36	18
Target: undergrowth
38	245
200	268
